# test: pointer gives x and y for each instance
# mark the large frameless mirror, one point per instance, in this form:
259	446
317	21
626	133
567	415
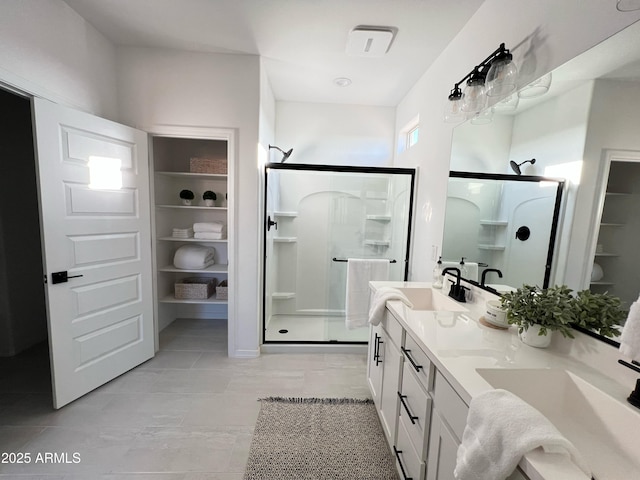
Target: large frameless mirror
583	130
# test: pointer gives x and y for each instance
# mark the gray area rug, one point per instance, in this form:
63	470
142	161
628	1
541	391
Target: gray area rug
319	439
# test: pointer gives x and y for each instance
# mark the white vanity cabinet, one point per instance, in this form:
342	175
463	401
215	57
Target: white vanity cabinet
422	415
384	372
393	335
374	363
448	420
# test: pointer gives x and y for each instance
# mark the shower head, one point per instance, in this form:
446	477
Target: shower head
516	166
285	155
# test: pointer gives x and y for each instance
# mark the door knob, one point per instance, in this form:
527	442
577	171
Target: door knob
62	277
271	223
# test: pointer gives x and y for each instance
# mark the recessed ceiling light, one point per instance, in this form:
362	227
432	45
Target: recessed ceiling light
342	81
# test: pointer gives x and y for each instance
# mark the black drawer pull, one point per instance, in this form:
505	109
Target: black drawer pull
411	360
376	356
411	417
398	452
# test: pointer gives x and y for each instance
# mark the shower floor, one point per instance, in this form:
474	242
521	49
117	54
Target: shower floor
312	328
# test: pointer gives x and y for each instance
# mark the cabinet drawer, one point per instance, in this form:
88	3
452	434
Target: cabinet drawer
415	409
420	363
408	463
450	406
393	328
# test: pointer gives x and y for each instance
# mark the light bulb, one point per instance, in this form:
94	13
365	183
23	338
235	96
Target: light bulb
502	76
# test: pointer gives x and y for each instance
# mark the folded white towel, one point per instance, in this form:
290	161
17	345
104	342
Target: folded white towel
182	232
193	257
209	227
359	273
630	338
501	428
210	235
379	302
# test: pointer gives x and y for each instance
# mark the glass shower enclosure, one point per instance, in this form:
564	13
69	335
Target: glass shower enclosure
316	218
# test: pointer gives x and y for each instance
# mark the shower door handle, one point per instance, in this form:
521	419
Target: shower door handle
271	223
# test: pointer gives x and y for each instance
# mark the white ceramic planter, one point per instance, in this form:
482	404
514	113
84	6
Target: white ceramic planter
186	202
530	337
209	203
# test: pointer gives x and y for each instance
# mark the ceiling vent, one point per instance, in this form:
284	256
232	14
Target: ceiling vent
367	41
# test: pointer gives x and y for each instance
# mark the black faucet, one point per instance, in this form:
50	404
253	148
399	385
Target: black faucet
456	291
487	270
634	398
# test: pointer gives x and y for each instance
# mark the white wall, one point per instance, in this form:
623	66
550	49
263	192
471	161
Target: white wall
551	31
332	134
482	148
48	50
167	87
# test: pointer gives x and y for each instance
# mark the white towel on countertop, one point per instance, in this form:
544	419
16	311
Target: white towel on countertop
210	235
379	302
630	338
209	227
501	428
359	273
193	257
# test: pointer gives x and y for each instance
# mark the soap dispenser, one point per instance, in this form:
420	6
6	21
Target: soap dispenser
464	273
437	274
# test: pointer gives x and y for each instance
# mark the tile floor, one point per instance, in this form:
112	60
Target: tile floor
186	414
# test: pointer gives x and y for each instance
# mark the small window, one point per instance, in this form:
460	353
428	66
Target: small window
412	136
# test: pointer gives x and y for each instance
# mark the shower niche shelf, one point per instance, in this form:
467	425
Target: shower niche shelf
285	239
285	214
379	218
491	247
378	243
283	295
494	223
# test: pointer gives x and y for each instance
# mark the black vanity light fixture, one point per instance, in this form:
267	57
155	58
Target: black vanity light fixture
286	154
495	76
516	166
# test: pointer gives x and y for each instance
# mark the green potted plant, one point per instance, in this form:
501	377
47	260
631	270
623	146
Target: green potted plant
599	312
538	312
209	197
186	196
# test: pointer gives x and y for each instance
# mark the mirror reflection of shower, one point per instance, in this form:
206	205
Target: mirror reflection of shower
325	213
516	166
285	155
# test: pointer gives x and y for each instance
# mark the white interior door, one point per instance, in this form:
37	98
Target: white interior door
95	216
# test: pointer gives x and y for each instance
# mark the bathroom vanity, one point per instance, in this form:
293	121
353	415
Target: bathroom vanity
426	363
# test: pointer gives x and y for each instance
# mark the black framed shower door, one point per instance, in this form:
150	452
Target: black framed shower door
315	218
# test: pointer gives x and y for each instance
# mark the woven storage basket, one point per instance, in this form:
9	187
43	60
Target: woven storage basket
208	165
195	288
222	291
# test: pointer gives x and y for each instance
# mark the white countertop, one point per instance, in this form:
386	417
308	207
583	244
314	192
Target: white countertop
458	344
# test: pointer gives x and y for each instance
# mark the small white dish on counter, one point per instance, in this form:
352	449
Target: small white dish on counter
495	315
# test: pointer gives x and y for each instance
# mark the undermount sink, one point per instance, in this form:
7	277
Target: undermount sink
603	429
425	298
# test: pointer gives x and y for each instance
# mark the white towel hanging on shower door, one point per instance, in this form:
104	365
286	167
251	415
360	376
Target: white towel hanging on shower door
359	273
